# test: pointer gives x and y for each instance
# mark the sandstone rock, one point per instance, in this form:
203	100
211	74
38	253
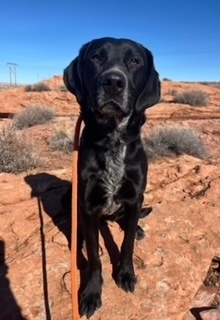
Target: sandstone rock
15	100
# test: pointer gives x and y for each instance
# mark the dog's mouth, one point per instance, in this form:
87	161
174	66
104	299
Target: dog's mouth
111	108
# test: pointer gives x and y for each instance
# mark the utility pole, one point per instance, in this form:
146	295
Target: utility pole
12	72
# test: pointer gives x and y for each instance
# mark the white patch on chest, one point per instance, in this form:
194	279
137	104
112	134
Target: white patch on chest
113	174
112	178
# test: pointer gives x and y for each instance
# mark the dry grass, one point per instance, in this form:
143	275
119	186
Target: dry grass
192	97
62	88
173	141
61	141
33	116
215	84
37	87
16	152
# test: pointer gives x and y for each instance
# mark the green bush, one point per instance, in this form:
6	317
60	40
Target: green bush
192	97
16	152
61	141
173	141
33	116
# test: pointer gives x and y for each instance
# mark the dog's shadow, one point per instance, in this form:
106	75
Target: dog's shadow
49	191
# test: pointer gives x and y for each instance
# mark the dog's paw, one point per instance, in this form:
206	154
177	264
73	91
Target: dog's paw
90	301
145	212
126	281
139	234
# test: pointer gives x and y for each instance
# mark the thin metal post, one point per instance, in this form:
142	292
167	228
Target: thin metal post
12	72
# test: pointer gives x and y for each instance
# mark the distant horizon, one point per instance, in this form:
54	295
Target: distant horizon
5	83
44	78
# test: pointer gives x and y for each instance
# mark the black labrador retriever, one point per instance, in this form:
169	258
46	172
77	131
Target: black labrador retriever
114	81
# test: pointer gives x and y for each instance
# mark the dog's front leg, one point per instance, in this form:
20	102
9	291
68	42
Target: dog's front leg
90	299
126	277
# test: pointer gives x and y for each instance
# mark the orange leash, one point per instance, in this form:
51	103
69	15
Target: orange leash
74	283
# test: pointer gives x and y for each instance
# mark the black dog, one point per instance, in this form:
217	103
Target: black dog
114	81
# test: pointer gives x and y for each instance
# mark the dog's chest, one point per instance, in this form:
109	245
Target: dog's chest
112	176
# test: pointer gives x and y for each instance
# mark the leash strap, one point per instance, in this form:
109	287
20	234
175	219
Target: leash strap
74	282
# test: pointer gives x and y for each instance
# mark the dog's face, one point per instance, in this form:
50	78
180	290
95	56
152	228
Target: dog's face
113	77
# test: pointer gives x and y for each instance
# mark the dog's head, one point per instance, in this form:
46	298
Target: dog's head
113	78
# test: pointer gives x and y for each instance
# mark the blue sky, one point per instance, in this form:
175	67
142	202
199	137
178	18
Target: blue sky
42	37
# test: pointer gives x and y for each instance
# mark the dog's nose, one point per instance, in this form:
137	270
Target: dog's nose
113	83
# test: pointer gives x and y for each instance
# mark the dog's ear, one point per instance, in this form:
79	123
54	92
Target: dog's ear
150	93
72	79
72	75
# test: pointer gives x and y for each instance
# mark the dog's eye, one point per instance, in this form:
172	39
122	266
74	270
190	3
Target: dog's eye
96	58
134	61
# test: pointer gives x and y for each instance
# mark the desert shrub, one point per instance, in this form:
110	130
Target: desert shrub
37	87
62	88
192	97
40	86
166	79
215	84
205	83
16	152
61	141
33	116
162	99
173	141
172	92
28	88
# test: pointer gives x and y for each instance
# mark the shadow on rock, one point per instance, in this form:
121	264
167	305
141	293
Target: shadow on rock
9	308
196	312
55	194
50	190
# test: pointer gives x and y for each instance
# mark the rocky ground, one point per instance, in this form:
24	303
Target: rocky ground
177	263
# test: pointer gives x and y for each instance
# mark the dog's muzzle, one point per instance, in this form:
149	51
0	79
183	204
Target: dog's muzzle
113	98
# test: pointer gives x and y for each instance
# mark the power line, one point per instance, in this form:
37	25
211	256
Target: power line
12	72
